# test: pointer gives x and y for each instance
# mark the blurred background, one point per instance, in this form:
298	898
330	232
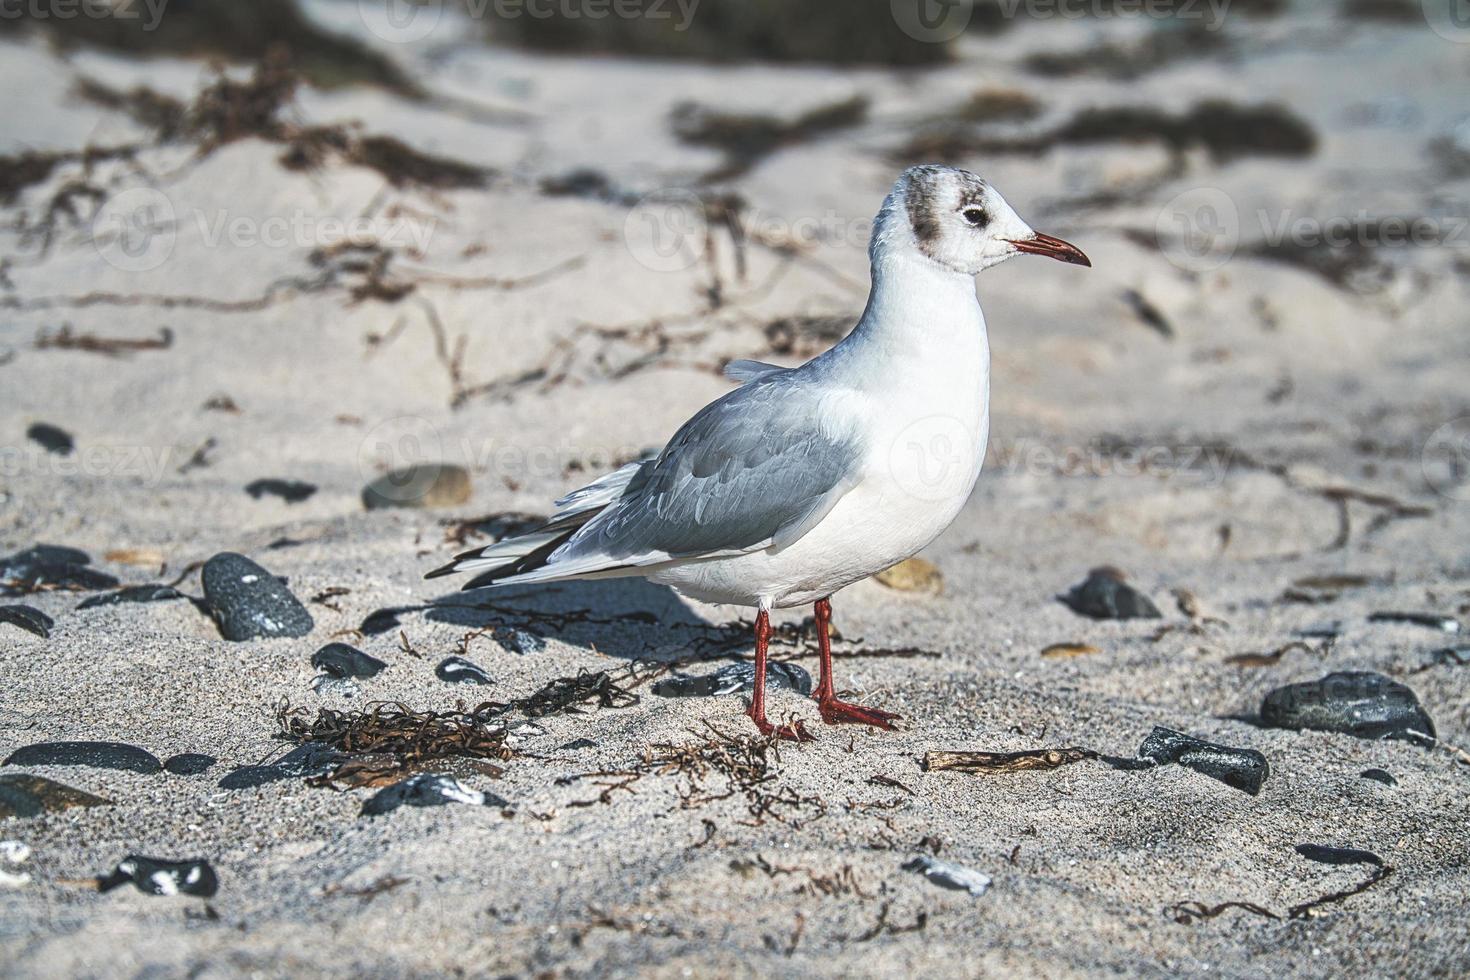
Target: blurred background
317	240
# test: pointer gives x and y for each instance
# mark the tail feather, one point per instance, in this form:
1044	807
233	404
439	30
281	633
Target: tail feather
530	551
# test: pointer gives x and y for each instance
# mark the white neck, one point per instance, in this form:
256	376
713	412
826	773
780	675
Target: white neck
918	312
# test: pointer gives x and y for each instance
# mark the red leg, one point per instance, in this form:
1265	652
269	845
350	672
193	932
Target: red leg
757	712
834	711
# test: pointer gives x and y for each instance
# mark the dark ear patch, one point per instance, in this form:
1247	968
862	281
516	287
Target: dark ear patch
922	217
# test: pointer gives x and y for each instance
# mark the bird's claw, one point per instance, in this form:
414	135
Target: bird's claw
794	732
835	712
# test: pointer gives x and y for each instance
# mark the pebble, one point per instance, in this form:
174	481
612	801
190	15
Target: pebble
1244	769
1434	621
99	755
248	602
133	593
24	795
51	438
578	744
14	852
291	491
188	763
421	485
947	874
153	876
341	661
28	618
1324	854
307	759
1358	703
519	641
380	621
426	789
912	575
1106	594
459	670
735	678
46	567
1379	776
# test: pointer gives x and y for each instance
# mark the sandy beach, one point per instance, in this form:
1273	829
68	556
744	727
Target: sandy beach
241	295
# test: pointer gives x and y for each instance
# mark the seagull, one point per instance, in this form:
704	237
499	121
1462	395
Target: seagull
804	480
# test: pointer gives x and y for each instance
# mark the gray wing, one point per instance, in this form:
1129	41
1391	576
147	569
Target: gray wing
756	469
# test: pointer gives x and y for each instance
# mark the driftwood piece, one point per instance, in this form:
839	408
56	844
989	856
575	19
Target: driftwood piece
993	763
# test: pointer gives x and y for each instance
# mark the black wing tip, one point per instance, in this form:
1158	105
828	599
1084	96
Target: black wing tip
444	570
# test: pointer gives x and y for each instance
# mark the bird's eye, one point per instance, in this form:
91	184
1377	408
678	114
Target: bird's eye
976	216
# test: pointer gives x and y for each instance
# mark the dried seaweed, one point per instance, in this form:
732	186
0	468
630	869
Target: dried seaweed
743	762
1272	658
395	728
65	339
366	894
1226	130
994	763
1187	913
884	927
564	694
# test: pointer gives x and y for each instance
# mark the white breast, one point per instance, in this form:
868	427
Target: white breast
927	419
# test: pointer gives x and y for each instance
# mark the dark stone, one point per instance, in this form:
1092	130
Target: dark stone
381	621
51	554
189	763
459	670
735	678
307	759
578	743
99	755
25	795
28	618
426	789
1244	769
249	602
51	438
291	491
582	182
1323	854
1434	621
1357	703
519	641
1379	776
153	876
340	660
133	593
1106	594
48	568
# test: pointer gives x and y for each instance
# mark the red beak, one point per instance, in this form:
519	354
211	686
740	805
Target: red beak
1054	248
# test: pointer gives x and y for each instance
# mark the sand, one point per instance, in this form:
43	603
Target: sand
1288	424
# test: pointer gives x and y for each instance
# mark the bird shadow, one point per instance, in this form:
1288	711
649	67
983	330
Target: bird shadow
629	618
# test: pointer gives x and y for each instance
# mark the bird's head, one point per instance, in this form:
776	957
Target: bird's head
956	219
